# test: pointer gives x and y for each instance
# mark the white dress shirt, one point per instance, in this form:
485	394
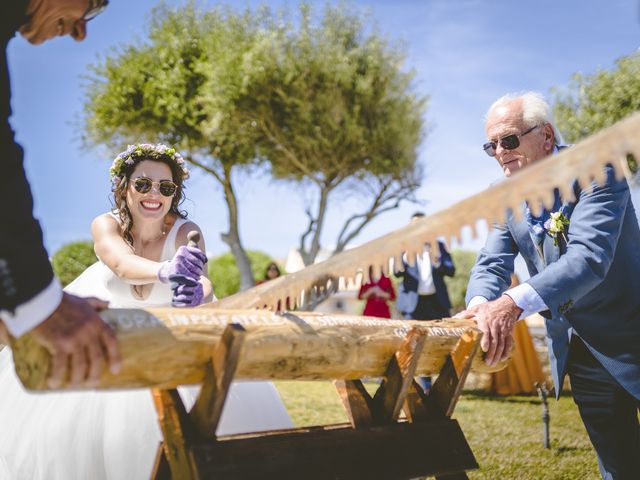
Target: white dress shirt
32	313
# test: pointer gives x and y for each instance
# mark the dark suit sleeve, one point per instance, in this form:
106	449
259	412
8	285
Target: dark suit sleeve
24	265
445	266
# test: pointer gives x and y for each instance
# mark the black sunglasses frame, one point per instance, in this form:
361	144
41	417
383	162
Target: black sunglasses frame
510	142
94	10
144	185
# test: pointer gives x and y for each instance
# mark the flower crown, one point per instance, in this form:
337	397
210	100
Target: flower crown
144	151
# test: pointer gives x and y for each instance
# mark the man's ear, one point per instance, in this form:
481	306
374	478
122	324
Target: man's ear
549	138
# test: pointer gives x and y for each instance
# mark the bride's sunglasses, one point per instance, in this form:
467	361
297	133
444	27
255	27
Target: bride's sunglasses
144	185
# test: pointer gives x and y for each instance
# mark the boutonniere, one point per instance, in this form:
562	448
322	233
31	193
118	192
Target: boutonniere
557	225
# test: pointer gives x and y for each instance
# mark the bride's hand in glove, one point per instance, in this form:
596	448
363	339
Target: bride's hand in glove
188	261
187	291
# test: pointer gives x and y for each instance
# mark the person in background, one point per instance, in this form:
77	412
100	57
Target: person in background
377	294
423	294
272	271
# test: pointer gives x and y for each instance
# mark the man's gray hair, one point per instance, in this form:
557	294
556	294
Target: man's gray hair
535	110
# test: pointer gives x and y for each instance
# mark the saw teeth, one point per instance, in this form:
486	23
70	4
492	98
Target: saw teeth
583	163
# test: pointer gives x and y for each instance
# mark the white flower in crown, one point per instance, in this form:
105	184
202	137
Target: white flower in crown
135	153
556	225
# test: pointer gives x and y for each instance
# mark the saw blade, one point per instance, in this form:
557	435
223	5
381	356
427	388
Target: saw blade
584	162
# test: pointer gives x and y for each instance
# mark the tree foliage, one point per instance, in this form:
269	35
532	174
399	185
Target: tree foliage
180	87
225	276
593	102
464	260
335	109
323	102
73	259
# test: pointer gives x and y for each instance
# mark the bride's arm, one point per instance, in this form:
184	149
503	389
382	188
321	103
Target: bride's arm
181	239
118	255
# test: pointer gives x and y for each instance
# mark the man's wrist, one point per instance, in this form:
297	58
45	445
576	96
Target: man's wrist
512	305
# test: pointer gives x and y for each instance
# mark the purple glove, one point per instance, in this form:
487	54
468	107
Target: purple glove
187	261
187	291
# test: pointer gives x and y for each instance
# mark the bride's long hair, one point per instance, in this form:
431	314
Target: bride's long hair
119	199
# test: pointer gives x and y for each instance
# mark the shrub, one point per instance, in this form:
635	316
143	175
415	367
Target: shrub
457	285
72	259
225	276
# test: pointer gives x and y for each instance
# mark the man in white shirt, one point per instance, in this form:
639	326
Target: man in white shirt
427	281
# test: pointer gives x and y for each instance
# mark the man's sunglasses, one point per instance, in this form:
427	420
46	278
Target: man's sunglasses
95	8
144	185
509	142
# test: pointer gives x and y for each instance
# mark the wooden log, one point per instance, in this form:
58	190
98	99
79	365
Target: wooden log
163	348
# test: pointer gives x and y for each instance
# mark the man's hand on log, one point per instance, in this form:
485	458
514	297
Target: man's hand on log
76	336
496	320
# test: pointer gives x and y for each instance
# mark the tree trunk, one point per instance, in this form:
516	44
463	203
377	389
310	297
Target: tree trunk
166	347
309	254
232	237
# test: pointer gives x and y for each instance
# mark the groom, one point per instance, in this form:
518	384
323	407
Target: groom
584	262
30	296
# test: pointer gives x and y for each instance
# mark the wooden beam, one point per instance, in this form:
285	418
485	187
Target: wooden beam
392	392
395	451
207	409
177	432
448	386
357	402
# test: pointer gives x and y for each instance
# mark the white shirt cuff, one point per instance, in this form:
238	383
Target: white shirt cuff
30	314
527	299
477	300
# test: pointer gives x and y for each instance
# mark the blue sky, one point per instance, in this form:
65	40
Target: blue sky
466	54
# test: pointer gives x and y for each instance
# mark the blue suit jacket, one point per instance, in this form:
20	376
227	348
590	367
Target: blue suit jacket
590	285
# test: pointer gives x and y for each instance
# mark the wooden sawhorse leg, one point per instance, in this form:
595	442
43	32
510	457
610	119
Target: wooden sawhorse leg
179	428
399	390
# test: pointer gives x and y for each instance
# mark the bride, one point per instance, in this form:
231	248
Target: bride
144	261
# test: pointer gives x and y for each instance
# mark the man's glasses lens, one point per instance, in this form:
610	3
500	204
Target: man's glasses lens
510	142
96	7
165	187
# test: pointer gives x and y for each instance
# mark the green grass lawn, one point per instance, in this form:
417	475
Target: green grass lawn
505	433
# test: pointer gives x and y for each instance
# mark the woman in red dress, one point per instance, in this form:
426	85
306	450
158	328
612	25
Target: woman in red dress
377	294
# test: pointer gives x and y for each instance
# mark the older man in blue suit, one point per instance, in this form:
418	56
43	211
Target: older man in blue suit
584	261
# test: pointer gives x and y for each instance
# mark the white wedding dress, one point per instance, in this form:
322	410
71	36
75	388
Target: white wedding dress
112	435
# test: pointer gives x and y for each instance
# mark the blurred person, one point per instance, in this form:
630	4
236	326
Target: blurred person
377	294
